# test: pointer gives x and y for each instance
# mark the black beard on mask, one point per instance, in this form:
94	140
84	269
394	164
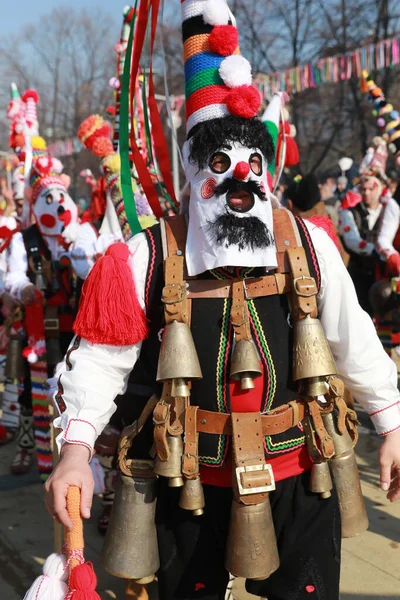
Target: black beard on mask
244	232
233	185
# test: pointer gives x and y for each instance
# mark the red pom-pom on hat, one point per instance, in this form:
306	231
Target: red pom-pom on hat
31	94
224	40
102	147
243	101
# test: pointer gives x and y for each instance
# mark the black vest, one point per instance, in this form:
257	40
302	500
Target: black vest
360	215
213	336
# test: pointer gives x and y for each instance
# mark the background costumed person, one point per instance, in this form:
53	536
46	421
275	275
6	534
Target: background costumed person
228	273
359	221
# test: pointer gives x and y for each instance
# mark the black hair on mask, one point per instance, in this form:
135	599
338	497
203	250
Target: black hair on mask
210	136
245	232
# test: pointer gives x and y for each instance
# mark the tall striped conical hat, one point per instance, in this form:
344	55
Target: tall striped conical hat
218	80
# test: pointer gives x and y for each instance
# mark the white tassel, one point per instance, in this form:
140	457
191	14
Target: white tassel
52	584
235	70
216	12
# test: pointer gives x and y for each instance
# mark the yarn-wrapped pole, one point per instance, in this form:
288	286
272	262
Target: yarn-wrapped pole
82	579
74	537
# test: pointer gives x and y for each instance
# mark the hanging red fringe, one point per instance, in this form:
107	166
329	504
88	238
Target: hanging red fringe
82	583
324	222
109	311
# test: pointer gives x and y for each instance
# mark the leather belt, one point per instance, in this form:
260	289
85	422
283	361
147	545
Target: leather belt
278	421
256	287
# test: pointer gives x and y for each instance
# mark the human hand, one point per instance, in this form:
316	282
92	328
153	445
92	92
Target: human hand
9	302
28	294
389	461
73	469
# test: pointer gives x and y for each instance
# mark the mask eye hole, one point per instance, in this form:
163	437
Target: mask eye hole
256	164
49	199
220	162
61	200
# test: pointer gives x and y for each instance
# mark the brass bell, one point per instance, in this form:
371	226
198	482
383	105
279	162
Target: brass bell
178	358
130	549
312	356
179	388
15	365
192	497
245	365
172	467
251	550
347	480
321	480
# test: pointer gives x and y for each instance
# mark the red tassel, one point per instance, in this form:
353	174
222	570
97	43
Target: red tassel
82	583
324	222
109	310
292	152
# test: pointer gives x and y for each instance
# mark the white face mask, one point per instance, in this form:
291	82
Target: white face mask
54	209
236	248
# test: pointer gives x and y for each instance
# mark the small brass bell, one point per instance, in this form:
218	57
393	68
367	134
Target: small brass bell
312	356
178	358
179	388
321	480
245	365
251	550
192	497
15	366
172	467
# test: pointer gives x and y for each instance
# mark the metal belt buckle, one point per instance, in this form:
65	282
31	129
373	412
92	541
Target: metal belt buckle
51	324
312	284
181	296
257	490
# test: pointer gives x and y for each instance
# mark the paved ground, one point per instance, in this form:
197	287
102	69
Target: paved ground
370	563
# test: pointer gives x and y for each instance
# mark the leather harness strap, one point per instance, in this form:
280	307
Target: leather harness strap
190	463
239	312
304	296
256	287
277	421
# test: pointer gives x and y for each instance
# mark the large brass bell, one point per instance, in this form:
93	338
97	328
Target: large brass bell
192	497
15	366
245	365
347	480
321	480
251	550
178	360
130	549
172	467
312	356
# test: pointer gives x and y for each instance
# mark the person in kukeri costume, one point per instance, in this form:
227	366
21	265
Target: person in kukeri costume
222	305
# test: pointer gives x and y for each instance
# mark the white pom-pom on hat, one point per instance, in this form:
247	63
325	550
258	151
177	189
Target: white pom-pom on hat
235	70
32	358
57	165
216	12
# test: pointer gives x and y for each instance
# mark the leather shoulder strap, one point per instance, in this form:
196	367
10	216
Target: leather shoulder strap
286	235
173	235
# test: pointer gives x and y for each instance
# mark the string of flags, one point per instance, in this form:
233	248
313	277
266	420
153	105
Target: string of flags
332	69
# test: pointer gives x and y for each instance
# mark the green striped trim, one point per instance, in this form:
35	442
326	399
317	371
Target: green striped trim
283	445
202	79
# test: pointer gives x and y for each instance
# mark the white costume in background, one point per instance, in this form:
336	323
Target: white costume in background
387	230
13	261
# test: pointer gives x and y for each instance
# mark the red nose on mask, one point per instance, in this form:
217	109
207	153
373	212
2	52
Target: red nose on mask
241	171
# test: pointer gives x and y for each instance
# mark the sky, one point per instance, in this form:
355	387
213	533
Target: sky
17	13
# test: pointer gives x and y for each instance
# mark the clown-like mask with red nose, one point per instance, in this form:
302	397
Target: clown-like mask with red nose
230	212
54	209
